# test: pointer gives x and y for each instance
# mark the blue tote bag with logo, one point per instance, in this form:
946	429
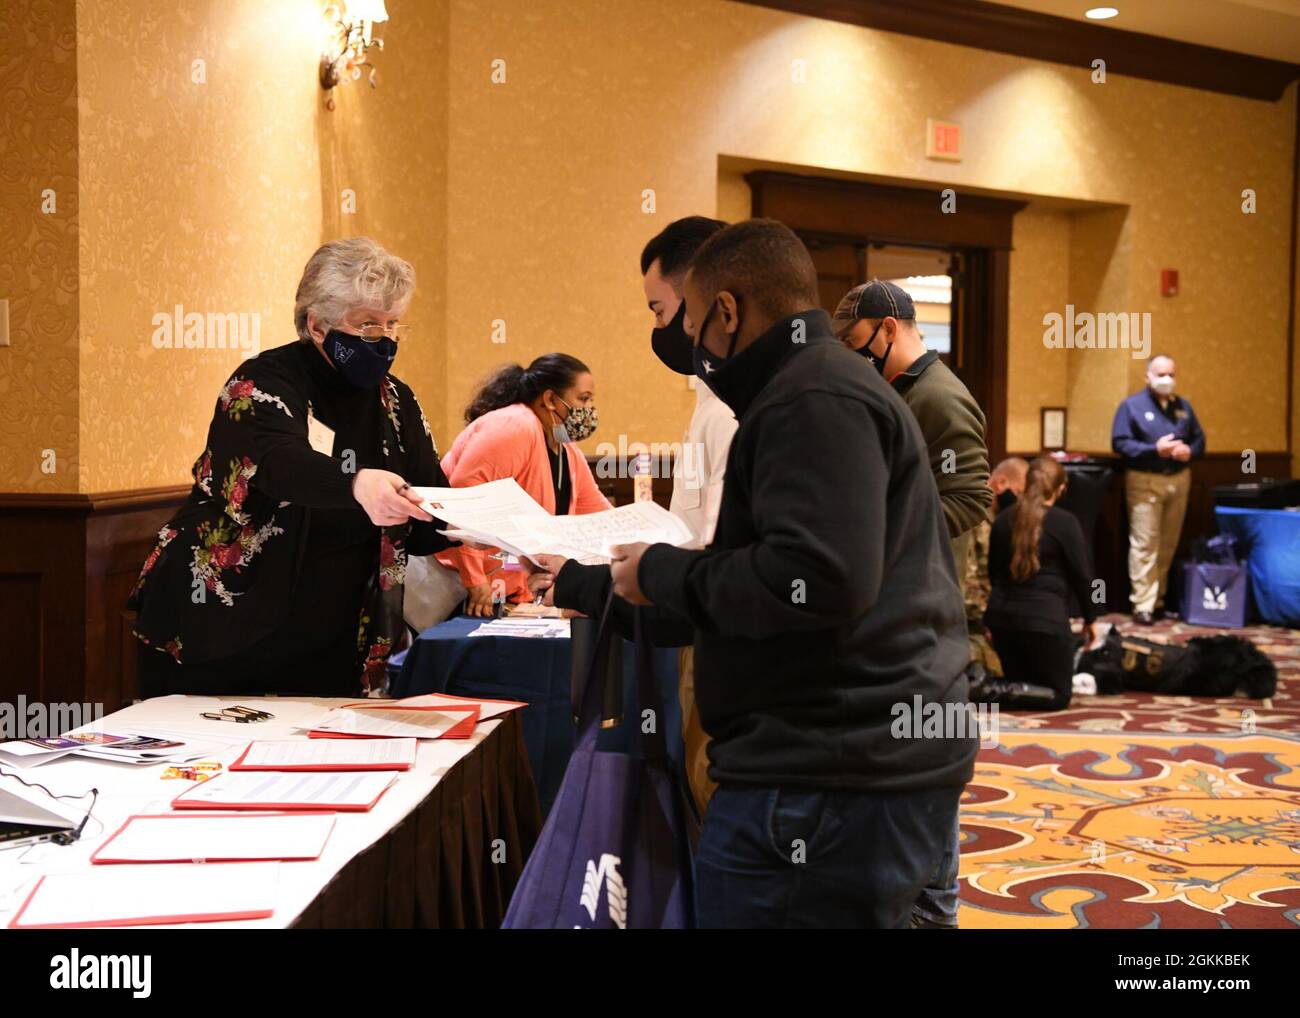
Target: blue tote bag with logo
1216	584
615	852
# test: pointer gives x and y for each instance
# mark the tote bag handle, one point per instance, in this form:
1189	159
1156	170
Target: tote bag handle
653	745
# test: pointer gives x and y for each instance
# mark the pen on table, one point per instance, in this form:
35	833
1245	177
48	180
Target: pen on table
251	712
227	717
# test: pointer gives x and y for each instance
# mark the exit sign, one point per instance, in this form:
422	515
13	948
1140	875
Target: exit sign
942	140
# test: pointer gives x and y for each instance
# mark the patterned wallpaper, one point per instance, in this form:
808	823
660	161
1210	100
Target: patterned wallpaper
1040	283
1101	281
383	154
200	190
520	155
38	245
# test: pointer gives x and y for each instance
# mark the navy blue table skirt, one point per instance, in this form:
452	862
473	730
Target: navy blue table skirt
446	659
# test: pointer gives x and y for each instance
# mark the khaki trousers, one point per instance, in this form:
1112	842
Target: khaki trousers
695	741
1157	504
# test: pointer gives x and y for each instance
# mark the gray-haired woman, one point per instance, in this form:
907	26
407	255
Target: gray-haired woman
283	571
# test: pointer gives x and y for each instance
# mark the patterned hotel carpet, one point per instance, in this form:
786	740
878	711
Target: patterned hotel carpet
1140	810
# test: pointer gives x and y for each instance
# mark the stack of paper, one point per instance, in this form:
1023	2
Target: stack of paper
140	748
536	628
34	752
143	748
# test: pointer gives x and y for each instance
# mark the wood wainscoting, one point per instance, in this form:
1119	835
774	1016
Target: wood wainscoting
67	565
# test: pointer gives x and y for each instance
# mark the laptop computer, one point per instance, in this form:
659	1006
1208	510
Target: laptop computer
23	822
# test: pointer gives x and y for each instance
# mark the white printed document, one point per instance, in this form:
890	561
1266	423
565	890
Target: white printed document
328	755
503	515
350	791
34	752
446	701
382	722
201	837
547	629
485	513
151	895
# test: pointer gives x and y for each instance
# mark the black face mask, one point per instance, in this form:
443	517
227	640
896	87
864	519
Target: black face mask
673	346
865	350
361	364
703	363
1006	498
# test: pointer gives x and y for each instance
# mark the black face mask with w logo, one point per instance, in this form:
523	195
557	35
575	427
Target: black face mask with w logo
363	365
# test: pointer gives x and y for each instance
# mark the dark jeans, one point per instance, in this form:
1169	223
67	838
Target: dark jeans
785	858
1044	659
937	904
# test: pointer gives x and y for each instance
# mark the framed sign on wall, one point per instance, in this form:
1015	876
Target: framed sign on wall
1053	428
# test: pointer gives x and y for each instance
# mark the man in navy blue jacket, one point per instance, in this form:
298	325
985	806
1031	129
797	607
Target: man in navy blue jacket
1158	434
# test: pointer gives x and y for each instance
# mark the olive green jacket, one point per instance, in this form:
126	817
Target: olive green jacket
953	426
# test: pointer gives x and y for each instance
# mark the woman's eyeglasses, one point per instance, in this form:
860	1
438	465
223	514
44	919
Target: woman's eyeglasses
374	333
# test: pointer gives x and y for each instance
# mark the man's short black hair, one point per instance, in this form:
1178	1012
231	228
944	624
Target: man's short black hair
675	245
761	259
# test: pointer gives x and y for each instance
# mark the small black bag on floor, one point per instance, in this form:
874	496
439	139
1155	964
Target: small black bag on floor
1217	666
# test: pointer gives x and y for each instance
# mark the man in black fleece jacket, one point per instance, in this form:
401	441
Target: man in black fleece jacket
825	612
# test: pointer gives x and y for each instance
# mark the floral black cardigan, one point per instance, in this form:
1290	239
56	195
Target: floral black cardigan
223	571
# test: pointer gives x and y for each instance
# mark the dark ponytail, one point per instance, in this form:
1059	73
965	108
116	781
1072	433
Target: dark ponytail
1045	478
514	384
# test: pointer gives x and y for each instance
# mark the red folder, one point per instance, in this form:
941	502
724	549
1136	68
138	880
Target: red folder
154	920
102	850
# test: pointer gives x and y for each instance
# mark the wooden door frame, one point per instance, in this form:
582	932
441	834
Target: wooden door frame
857	212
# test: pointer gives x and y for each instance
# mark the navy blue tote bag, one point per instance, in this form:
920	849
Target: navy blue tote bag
615	852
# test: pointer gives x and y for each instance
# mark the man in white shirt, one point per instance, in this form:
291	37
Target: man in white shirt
698	472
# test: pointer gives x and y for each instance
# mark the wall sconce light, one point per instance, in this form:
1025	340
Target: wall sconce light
353	23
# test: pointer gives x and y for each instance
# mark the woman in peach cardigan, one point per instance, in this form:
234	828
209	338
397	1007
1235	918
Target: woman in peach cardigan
524	423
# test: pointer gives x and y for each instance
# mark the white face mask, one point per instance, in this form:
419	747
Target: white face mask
1163	384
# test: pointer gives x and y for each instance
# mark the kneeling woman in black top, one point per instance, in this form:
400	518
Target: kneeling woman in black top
1037	557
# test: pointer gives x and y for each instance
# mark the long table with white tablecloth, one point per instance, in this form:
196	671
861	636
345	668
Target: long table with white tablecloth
443	847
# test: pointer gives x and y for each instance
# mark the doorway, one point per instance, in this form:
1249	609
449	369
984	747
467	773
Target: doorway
955	266
930	276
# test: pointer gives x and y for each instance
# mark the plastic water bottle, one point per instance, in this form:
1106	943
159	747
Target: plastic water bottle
642	481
